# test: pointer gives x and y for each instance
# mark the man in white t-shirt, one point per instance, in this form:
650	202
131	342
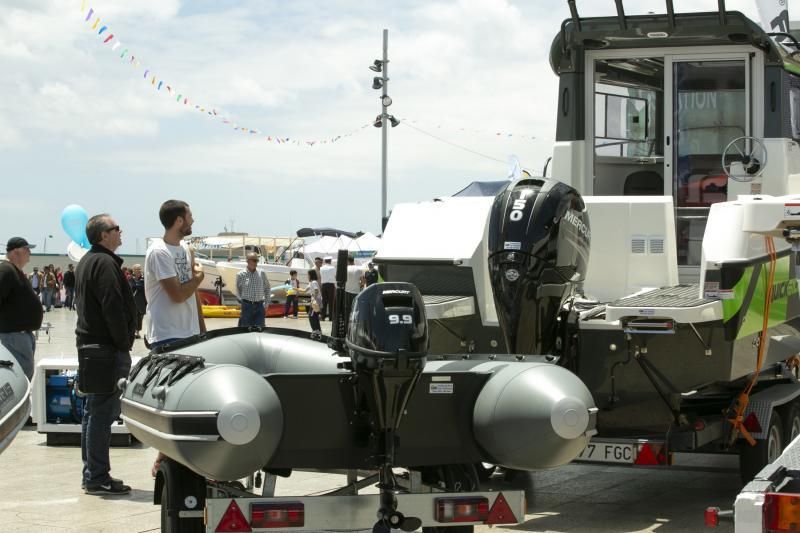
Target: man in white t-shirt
355	280
171	278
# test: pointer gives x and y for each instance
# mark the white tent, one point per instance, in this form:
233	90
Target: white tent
327	245
368	242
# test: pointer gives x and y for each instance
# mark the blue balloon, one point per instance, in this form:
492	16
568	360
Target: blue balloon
73	220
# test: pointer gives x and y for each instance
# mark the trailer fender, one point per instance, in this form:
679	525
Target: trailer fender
763	402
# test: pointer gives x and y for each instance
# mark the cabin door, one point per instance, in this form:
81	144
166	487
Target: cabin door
706	106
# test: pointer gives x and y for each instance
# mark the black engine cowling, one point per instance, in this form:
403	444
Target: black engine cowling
538	251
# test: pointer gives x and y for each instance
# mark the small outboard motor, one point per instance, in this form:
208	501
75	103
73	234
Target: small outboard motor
387	340
538	251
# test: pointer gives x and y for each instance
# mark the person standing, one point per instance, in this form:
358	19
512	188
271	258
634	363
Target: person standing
20	309
327	276
36	279
355	280
371	275
171	278
252	286
69	287
315	292
104	336
136	282
49	288
293	287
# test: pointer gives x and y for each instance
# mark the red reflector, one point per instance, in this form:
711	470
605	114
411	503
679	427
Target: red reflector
278	514
233	520
781	512
751	424
472	509
646	456
699	424
712	516
501	512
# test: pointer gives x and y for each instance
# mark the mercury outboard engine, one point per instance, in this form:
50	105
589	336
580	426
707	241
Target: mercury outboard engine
387	340
538	251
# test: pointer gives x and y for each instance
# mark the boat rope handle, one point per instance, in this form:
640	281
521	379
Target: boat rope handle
744	397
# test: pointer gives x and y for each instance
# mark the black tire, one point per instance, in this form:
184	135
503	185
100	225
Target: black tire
791	421
179	483
753	458
457	478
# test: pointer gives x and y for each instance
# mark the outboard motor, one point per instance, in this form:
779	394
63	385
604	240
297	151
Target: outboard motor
538	251
387	340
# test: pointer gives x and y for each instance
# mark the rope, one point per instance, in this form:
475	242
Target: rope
743	399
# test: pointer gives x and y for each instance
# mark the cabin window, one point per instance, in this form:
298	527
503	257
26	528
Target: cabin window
623	126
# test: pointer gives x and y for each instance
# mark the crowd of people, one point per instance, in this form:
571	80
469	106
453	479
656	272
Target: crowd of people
111	301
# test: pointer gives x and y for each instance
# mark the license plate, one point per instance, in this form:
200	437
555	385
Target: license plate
609	452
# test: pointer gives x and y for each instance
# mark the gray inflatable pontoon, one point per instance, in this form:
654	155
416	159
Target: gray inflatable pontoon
239	401
15	398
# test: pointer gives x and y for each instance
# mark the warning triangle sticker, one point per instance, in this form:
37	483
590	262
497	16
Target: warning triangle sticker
501	512
646	456
233	520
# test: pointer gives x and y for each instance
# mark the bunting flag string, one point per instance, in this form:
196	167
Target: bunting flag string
494	133
156	83
93	21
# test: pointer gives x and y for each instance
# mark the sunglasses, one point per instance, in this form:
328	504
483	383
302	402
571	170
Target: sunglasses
113	228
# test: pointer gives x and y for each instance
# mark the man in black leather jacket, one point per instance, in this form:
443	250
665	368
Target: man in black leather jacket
105	328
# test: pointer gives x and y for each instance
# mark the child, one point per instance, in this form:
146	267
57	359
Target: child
293	285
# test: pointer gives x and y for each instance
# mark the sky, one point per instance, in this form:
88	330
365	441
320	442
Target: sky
470	81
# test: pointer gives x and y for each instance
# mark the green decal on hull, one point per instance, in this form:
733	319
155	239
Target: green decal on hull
748	309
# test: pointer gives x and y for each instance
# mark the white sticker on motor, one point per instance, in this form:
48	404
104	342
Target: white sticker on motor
711	290
441	388
647	311
726	294
510	245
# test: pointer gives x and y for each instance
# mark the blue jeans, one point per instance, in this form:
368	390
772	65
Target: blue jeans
47	296
291	302
69	296
313	320
22	345
252	314
99	413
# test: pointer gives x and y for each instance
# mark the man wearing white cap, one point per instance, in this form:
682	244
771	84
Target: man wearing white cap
328	277
20	309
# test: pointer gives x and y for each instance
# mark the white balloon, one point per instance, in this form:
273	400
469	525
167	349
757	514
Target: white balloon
75	251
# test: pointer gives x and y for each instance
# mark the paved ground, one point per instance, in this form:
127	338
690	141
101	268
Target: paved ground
40	485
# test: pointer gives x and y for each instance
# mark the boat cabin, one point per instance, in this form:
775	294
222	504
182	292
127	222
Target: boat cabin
650	105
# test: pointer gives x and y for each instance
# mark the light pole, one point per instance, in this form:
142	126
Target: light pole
44	248
384	119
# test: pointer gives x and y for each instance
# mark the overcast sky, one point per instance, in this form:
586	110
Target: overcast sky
80	125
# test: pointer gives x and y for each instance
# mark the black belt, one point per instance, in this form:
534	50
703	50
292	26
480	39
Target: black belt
252	302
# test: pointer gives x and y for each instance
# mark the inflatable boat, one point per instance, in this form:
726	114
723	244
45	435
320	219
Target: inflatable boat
15	398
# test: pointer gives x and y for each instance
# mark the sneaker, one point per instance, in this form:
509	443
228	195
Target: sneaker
112	487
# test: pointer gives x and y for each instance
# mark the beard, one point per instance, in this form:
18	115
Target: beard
186	230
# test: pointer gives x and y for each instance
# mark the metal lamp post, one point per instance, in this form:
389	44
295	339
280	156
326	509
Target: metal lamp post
384	119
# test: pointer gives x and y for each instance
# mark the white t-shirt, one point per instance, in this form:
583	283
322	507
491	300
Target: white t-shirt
168	320
353	285
313	290
327	273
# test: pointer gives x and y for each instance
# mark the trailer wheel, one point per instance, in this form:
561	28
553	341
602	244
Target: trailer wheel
179	486
792	420
753	458
456	478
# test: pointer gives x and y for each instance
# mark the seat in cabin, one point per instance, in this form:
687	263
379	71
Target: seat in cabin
644	183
